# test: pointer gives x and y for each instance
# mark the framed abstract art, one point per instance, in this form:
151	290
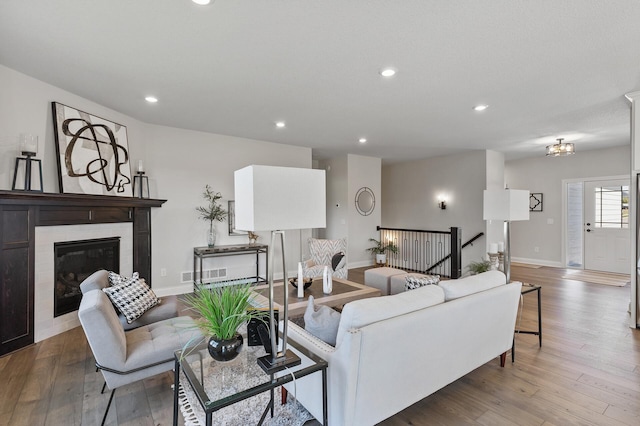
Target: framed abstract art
535	202
93	153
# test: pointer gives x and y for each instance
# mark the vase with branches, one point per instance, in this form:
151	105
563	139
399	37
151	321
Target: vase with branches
213	212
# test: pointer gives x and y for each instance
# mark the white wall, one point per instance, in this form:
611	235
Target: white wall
363	172
337	209
411	197
25	107
179	164
183	162
494	230
545	175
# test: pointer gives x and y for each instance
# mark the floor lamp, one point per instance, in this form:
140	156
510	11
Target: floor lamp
506	205
269	198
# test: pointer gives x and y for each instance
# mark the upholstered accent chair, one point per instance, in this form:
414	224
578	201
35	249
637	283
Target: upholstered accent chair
125	357
322	252
168	308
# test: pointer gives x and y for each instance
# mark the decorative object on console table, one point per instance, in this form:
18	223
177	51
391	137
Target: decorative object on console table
380	250
213	213
506	205
264	196
28	148
93	153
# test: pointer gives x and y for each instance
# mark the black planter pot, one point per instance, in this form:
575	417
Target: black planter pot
225	350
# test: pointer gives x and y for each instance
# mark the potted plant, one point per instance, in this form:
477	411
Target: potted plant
222	311
213	213
380	250
479	267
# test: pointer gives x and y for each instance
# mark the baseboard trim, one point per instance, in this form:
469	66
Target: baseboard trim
538	262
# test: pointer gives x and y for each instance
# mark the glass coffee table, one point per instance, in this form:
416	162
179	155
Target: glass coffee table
217	385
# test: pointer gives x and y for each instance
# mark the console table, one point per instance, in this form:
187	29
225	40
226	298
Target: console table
200	253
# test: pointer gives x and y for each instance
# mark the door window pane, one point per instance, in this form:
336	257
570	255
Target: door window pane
612	207
574	224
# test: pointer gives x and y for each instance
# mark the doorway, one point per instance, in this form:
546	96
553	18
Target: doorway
597	225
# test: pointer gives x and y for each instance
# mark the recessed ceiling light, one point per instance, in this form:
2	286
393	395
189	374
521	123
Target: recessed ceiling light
480	107
362	140
280	124
387	72
151	99
201	2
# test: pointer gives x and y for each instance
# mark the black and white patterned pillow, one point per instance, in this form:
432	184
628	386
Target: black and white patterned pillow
412	282
133	297
117	279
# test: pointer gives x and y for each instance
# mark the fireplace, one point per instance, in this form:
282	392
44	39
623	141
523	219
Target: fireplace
75	261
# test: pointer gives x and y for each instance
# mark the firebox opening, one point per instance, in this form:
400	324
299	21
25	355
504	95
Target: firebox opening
75	261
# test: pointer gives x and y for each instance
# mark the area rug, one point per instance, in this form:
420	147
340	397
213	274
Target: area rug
606	278
243	413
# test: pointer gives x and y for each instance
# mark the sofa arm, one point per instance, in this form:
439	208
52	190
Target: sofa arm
309	341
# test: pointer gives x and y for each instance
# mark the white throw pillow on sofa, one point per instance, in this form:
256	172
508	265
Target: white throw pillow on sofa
322	322
454	289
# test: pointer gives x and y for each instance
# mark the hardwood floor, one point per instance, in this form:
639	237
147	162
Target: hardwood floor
586	373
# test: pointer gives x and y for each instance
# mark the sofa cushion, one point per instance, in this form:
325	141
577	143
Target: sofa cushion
133	298
454	289
361	312
322	322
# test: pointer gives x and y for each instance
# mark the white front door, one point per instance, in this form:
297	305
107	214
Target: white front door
607	242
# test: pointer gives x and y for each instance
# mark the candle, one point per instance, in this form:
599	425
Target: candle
140	168
501	247
300	282
493	248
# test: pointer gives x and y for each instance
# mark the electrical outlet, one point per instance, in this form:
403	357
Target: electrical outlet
163	272
536	249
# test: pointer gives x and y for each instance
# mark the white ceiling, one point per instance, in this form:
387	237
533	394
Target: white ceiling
547	68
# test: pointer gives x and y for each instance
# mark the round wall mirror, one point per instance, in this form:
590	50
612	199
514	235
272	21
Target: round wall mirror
365	201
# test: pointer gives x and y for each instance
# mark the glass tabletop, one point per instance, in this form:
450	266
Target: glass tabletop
219	384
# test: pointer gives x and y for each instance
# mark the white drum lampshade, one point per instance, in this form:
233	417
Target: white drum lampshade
272	198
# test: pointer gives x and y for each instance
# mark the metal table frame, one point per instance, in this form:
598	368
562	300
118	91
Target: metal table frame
526	289
270	384
200	253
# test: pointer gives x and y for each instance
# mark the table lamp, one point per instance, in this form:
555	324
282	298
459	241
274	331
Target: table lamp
270	198
506	205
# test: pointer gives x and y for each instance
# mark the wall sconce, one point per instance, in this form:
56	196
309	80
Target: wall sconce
442	202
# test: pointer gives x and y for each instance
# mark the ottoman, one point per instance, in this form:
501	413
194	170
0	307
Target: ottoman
397	283
380	278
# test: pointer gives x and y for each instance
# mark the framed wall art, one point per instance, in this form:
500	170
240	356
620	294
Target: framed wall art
231	216
93	153
535	202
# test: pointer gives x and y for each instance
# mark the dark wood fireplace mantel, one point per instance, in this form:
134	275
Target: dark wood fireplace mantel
21	212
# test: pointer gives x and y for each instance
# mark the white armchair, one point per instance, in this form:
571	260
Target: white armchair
322	252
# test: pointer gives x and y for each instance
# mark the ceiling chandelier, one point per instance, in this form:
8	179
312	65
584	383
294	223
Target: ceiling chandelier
560	149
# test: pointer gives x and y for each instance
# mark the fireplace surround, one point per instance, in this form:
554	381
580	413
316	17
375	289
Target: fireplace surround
76	260
21	213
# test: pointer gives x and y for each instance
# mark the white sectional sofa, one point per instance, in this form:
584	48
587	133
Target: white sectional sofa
393	351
